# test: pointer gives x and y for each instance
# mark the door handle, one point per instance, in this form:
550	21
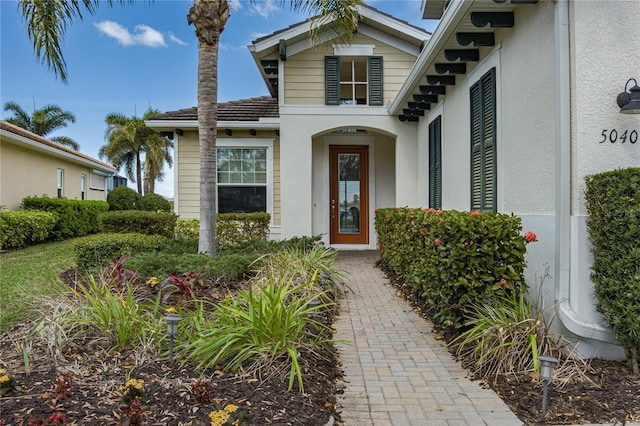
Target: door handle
333	209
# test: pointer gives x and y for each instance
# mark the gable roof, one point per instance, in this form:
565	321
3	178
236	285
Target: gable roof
259	112
17	135
294	39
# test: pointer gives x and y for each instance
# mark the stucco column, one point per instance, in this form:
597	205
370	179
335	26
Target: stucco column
295	178
407	168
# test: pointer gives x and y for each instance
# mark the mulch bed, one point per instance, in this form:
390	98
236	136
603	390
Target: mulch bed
93	395
86	386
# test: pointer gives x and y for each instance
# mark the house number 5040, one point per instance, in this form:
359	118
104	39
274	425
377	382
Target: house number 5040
619	136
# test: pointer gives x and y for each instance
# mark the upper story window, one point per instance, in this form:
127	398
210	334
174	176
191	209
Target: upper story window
353	80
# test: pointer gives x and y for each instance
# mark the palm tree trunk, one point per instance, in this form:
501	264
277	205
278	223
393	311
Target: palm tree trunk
207	127
209	18
139	173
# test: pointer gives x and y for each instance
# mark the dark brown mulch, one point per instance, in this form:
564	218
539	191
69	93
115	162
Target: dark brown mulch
94	395
610	394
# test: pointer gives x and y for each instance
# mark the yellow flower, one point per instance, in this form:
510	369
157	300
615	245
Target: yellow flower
218	418
2	370
231	408
153	281
170	310
134	383
4	379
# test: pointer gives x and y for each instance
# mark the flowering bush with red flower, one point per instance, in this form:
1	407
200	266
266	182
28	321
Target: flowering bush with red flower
453	258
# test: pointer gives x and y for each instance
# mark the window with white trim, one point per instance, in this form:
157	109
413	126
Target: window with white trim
60	182
245	175
353	80
83	187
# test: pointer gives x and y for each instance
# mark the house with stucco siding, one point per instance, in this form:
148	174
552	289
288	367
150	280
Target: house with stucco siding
506	107
31	165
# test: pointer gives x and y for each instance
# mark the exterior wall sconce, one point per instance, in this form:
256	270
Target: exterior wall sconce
252	132
228	132
629	101
172	329
546	375
179	132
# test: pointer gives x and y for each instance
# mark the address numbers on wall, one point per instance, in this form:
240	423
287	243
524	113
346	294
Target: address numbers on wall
619	136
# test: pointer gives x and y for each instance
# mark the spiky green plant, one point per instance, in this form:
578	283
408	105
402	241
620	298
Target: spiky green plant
261	329
505	336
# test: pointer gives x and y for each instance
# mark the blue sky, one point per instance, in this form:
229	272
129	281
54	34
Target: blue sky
126	58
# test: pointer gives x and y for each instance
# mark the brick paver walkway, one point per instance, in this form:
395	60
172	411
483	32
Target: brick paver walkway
396	372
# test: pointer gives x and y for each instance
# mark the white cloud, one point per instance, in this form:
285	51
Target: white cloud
264	8
143	34
176	40
234	5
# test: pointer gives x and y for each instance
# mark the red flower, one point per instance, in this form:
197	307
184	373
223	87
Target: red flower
474	213
437	241
438	212
503	282
530	237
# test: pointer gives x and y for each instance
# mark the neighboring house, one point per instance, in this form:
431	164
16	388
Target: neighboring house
506	107
31	165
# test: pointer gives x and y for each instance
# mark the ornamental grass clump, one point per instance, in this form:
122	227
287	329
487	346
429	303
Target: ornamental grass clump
262	330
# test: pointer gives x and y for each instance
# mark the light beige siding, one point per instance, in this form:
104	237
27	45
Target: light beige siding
304	73
26	173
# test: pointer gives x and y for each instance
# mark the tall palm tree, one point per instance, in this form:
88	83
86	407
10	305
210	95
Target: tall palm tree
47	23
127	140
43	121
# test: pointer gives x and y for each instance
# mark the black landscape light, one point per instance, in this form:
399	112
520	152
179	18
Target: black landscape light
172	329
546	375
629	100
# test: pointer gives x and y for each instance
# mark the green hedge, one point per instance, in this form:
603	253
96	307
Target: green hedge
142	222
77	217
613	204
100	249
123	198
452	258
155	203
27	227
231	228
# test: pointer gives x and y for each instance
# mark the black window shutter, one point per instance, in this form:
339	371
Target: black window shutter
376	93
435	163
332	80
483	143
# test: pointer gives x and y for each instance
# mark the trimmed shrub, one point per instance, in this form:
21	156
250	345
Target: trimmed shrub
123	198
100	249
22	228
613	204
148	223
453	258
231	228
76	217
155	203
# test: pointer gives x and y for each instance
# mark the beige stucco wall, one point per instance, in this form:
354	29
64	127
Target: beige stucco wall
26	173
187	194
304	82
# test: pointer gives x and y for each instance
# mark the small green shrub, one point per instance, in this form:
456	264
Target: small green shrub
453	258
232	229
160	264
613	204
123	198
155	203
77	217
100	249
142	222
22	228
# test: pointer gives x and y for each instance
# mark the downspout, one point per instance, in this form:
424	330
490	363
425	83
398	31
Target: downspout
564	309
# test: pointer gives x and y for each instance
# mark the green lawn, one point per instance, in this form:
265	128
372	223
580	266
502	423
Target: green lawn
30	273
